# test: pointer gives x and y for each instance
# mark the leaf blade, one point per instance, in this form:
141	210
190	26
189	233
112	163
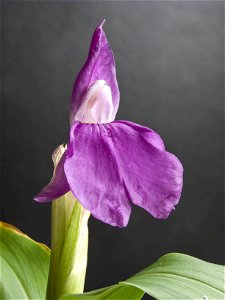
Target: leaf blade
173	276
24	265
114	292
181	272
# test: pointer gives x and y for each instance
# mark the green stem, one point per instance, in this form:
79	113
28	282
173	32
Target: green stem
69	245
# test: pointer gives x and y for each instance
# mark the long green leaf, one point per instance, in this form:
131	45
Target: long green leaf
180	276
24	265
173	276
114	292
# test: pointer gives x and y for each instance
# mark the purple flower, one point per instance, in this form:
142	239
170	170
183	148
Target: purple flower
109	164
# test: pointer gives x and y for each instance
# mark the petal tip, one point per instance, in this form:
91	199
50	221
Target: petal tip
101	24
43	197
40	199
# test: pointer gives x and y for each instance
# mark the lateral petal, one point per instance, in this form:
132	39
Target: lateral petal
58	186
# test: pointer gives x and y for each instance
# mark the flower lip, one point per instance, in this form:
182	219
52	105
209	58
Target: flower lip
97	106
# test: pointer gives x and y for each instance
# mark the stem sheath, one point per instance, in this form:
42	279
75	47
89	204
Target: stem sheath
69	247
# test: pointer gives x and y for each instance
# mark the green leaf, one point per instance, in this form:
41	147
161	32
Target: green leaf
180	276
114	292
24	265
173	276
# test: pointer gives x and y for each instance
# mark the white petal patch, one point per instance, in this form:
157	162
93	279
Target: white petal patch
97	106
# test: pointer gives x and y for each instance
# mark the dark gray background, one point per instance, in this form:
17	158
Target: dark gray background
169	59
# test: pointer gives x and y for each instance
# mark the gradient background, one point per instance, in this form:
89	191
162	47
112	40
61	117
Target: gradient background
169	59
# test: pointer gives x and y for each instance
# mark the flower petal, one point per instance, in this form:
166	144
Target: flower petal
93	175
107	164
58	185
100	65
153	176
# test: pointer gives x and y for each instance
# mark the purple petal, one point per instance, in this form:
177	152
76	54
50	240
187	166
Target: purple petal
107	164
58	185
153	176
93	175
100	65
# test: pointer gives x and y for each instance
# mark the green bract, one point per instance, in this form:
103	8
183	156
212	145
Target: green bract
24	265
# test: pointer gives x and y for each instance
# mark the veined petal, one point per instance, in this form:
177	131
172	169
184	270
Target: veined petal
109	164
153	176
58	186
93	176
100	65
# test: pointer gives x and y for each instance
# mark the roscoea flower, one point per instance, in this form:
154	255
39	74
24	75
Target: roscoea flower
109	164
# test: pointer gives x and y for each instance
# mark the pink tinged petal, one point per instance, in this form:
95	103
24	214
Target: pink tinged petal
97	105
58	185
100	65
153	176
93	175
